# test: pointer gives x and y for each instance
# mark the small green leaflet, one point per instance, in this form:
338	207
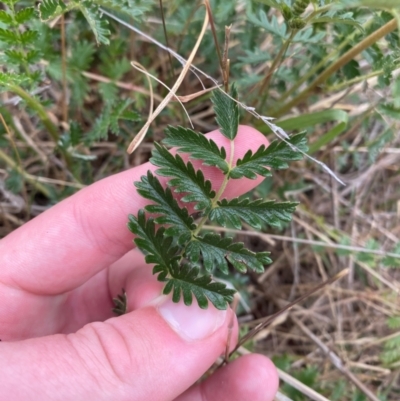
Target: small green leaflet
10	78
28	37
14	56
254	213
120	112
199	147
8	36
25	15
94	17
186	281
109	119
157	247
226	112
51	9
278	29
186	179
6	18
216	251
178	219
276	156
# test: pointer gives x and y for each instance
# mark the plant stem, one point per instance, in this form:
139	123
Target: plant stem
355	80
41	112
221	190
279	56
321	63
343	60
18	163
64	100
267	80
12	164
35	105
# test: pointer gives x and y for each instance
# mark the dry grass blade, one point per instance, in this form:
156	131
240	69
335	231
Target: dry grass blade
176	86
269	319
335	359
351	248
214	33
139	138
188	98
122	85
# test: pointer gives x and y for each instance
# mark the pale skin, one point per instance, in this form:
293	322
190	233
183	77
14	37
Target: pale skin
60	339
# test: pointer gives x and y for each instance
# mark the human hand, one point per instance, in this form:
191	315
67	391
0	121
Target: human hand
60	341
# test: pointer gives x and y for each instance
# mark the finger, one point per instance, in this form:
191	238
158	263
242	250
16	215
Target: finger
71	242
251	377
135	276
154	353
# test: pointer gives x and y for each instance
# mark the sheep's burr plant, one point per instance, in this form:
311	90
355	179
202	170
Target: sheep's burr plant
169	230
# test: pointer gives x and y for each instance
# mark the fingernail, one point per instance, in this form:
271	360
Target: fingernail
191	322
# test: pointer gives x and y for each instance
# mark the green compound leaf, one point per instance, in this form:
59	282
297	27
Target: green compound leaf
51	8
28	37
32	56
14	56
9	37
25	14
109	119
178	219
276	156
216	251
94	18
120	112
226	112
254	213
186	282
186	179
10	78
157	247
199	147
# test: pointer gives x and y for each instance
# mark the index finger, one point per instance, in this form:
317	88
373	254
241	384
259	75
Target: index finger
84	234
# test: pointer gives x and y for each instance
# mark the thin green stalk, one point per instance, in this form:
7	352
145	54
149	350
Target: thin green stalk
353	81
19	162
219	193
267	80
12	164
319	65
343	60
40	110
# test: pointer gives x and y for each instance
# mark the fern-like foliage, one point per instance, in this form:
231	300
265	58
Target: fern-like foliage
18	41
169	230
109	119
50	9
254	213
276	156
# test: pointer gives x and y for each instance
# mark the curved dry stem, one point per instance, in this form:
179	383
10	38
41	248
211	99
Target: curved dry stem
137	140
177	84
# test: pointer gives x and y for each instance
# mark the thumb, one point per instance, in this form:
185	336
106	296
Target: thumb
154	353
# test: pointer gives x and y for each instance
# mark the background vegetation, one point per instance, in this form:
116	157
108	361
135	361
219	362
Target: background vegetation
71	102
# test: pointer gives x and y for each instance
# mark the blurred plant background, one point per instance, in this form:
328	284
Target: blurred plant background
71	102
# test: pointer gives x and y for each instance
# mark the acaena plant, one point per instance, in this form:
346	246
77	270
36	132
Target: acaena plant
170	229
